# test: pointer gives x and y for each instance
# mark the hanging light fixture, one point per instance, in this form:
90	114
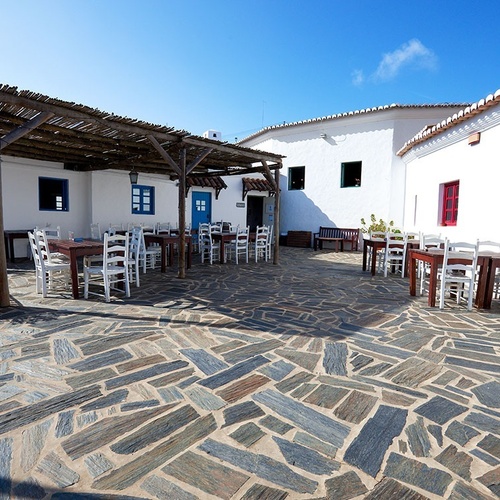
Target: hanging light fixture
133	176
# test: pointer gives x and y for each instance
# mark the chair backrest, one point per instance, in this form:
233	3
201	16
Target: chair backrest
261	235
226	227
95	231
34	249
412	235
113	228
148	228
203	227
215	228
242	236
464	249
115	251
431	241
134	242
50	232
163	228
377	235
489	246
42	246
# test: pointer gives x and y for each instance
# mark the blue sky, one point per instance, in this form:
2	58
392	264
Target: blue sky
239	65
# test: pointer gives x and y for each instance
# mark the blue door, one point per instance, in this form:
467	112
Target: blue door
201	208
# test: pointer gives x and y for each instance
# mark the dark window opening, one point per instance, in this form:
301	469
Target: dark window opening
53	194
296	178
143	200
351	174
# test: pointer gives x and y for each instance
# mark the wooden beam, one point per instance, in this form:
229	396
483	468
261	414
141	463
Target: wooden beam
268	176
198	160
165	155
24	129
235	150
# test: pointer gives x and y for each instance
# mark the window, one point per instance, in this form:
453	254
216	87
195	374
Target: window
53	194
351	174
296	177
449	211
143	200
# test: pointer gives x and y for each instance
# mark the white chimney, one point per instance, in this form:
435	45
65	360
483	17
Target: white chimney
213	134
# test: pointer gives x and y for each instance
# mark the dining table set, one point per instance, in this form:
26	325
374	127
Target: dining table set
81	247
417	256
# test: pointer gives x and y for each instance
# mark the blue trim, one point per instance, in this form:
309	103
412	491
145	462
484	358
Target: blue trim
143	200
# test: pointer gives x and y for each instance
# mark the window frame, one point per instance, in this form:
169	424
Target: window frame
343	167
63	193
293	181
452	196
144	200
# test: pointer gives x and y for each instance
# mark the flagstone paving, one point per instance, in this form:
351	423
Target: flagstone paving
306	380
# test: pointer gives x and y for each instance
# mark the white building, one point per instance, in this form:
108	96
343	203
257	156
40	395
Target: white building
453	174
341	168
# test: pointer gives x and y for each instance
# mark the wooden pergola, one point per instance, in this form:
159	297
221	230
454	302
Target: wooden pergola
84	139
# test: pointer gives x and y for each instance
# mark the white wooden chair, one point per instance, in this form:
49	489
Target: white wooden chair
209	249
114	269
427	241
95	234
395	252
456	277
239	245
148	256
133	266
270	242
48	274
261	243
95	231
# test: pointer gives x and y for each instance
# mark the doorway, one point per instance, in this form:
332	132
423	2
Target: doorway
201	211
255	211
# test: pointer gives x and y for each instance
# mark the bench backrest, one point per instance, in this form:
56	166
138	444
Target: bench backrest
339	232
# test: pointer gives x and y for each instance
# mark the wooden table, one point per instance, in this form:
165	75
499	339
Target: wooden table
486	261
75	249
14	234
168	241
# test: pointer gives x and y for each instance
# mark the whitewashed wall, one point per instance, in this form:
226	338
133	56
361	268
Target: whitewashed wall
449	157
112	199
20	198
372	138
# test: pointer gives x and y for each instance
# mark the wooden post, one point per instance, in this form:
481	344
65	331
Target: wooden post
276	256
4	284
182	216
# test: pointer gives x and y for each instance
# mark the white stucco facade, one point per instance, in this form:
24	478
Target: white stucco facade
104	197
449	157
372	137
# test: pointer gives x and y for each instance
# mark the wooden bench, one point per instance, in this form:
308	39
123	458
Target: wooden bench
336	234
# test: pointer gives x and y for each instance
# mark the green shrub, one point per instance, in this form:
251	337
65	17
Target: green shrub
377	225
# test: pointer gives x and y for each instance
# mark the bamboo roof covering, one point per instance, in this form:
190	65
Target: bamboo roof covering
36	126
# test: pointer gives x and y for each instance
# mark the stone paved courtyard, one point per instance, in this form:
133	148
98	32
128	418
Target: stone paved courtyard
306	380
